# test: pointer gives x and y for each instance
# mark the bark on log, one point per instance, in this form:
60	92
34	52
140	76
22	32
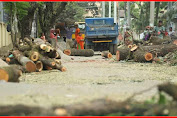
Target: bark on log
33	55
26	62
142	56
52	42
123	53
157	41
39	66
10	73
79	52
24	48
106	54
47	61
159	50
45	67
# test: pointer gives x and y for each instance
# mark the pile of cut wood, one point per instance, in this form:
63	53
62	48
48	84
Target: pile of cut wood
29	57
146	53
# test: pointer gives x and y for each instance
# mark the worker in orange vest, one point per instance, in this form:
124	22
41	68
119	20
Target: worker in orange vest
76	34
80	41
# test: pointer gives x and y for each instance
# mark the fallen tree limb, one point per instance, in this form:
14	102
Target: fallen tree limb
79	52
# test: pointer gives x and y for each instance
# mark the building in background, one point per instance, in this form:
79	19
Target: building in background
4	17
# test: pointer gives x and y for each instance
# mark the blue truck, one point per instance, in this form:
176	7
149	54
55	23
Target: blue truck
101	34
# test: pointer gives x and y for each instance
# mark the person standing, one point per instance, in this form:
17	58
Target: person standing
170	31
69	37
76	34
160	30
80	41
43	37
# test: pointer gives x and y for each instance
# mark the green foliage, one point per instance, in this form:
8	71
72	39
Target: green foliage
162	98
21	7
73	12
151	101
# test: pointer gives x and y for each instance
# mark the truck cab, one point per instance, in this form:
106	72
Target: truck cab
101	34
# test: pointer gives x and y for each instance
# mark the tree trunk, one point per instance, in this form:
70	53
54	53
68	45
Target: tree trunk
10	73
79	52
123	53
157	13
142	56
106	54
26	62
27	21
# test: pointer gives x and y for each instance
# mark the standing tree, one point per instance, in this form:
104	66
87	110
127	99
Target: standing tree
48	13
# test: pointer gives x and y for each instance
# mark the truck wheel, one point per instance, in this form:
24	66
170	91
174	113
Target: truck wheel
111	49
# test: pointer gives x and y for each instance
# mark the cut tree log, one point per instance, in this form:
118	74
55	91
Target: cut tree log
142	56
10	73
57	56
159	50
157	41
29	65
47	67
106	54
123	53
39	66
52	42
58	61
33	55
24	48
79	52
47	61
60	67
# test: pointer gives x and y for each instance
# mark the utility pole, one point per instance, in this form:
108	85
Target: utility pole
128	14
115	12
103	9
152	7
109	9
